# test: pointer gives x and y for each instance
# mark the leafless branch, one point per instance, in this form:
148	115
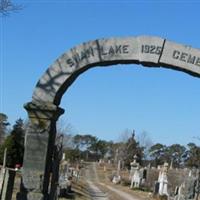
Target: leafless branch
7	6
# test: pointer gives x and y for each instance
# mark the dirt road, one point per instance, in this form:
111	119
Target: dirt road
105	191
92	178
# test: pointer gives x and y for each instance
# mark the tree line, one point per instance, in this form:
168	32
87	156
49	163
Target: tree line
178	155
90	148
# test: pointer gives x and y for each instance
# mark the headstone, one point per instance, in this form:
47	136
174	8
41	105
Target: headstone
159	167
116	179
186	190
135	174
171	164
122	164
156	188
176	190
163	181
190	173
136	179
179	193
116	158
134	166
143	175
118	167
190	188
149	166
63	156
4	158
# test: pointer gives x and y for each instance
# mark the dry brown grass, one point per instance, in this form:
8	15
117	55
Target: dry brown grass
104	177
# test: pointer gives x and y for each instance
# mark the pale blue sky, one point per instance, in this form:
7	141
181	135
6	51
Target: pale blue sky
104	101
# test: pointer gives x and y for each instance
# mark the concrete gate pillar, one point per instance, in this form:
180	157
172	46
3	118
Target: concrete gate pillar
39	143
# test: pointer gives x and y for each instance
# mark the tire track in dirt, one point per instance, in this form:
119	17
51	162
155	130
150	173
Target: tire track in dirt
91	177
110	189
122	194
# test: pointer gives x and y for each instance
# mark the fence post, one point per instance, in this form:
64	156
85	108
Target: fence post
8	184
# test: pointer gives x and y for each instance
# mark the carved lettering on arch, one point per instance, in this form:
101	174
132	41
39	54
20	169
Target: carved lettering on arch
145	50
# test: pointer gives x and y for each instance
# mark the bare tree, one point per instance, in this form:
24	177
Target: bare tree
124	135
67	130
7	6
128	147
145	142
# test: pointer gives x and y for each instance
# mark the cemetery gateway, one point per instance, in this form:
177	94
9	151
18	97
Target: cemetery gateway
43	110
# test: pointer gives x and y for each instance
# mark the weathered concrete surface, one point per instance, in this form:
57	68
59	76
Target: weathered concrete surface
39	146
182	57
150	51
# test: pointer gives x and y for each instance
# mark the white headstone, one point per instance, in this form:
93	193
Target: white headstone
136	179
163	181
118	167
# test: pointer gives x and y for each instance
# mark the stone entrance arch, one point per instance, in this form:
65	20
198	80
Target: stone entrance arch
43	110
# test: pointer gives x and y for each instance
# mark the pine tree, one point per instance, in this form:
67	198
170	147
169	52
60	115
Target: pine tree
132	148
15	145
